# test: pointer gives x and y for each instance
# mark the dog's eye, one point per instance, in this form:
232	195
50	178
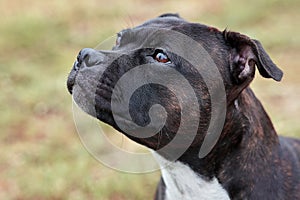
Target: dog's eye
160	56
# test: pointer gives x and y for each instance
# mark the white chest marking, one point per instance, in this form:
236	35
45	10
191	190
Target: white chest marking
183	183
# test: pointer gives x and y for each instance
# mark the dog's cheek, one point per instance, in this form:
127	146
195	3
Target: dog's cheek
144	99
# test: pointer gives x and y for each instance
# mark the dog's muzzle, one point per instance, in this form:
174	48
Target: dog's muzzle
87	57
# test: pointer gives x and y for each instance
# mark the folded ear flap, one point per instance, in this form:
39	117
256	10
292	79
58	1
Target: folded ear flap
265	66
245	54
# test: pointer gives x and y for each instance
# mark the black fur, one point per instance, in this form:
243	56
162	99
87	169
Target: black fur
249	160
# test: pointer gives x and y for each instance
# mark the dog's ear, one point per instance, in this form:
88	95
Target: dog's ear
245	54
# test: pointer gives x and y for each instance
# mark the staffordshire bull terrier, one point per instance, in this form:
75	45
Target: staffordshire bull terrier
248	160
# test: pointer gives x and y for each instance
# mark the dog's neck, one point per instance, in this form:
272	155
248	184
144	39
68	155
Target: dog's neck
239	132
239	137
239	142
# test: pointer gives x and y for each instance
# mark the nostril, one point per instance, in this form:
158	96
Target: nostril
88	57
83	55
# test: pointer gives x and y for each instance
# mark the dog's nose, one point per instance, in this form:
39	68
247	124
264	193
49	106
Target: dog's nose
88	57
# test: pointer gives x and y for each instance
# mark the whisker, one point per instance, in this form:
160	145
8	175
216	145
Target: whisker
131	22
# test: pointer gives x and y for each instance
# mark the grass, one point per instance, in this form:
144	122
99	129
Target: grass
41	155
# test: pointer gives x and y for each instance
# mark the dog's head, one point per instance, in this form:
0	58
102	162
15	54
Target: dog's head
160	68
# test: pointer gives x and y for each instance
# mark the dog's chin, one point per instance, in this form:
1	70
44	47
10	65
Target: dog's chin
84	100
82	84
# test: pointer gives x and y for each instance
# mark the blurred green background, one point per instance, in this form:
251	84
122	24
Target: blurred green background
41	155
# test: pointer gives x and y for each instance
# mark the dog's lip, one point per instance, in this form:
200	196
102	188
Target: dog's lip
72	77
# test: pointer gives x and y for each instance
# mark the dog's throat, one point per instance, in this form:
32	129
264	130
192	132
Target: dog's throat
183	183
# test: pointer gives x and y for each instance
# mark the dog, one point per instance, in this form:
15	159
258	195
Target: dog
248	160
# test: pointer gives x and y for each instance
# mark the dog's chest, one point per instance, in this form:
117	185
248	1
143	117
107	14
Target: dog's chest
183	183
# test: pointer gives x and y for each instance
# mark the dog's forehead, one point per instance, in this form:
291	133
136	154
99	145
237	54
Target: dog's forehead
151	34
164	31
178	24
